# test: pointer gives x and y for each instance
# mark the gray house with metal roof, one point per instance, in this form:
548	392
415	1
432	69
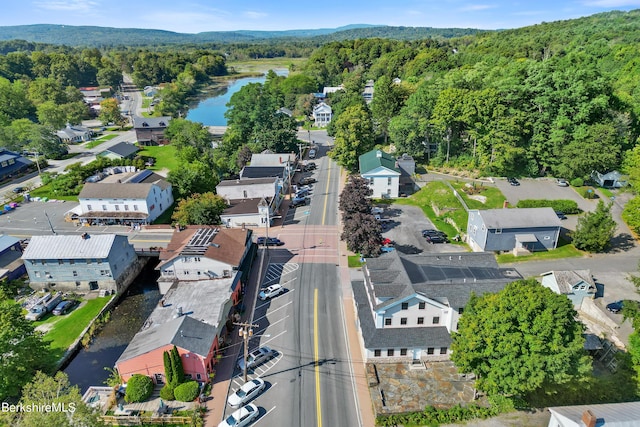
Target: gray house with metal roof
408	305
518	230
80	262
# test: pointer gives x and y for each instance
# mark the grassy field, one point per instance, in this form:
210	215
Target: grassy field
165	155
440	195
46	191
564	251
494	199
66	329
105	138
354	261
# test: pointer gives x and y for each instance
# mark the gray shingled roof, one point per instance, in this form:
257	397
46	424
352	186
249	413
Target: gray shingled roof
625	414
245	182
104	190
429	336
262	172
124	149
151	122
184	332
566	280
70	247
518	218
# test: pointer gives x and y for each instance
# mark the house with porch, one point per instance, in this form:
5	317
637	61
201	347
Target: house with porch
408	305
322	114
382	172
12	164
125	198
80	262
11	264
520	230
74	134
150	130
575	284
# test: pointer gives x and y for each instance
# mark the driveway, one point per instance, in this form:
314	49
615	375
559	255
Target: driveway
405	227
542	188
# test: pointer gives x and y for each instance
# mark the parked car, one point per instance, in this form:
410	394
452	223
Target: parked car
298	201
312	153
562	182
241	417
245	393
64	307
18	190
431	232
303	191
386	249
271	241
436	239
256	358
561	215
377	210
615	307
307	180
271	291
309	167
513	181
386	241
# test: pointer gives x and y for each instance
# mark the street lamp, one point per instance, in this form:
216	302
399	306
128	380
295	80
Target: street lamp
246	333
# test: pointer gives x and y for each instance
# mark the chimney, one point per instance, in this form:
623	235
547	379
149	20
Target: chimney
378	154
589	419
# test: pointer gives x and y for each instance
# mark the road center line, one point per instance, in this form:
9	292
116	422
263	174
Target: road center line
315	356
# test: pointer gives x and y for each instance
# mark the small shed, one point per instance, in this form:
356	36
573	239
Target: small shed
613	179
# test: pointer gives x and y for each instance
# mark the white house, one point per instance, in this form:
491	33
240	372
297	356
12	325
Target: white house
382	172
249	212
234	190
322	114
408	305
624	414
204	253
138	197
74	134
273	159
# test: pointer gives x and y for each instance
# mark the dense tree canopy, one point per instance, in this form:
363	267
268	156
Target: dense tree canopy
519	339
595	229
200	209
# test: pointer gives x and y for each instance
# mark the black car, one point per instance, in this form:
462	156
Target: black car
309	167
436	239
513	181
307	181
615	307
18	190
271	241
561	215
427	233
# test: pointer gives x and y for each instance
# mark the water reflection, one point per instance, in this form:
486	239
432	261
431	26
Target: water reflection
87	367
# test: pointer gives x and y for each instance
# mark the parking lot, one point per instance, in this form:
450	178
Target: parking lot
405	227
542	188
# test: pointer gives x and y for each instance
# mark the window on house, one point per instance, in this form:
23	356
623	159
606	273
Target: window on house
135	207
60	262
88	261
126	207
117	207
403	320
104	207
89	207
244	192
405	306
403	352
443	350
42	262
422	305
420	320
71	261
390	352
388	181
37	273
387	321
430	350
376	353
436	320
460	310
75	273
198	376
498	230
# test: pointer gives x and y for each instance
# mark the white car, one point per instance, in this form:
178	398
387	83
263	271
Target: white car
312	153
245	393
256	357
377	210
271	291
241	417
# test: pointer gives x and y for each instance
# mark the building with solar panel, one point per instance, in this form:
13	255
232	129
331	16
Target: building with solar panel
125	198
408	305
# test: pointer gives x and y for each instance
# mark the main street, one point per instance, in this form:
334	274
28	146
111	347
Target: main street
311	382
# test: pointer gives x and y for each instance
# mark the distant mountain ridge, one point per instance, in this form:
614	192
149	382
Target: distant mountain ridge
107	36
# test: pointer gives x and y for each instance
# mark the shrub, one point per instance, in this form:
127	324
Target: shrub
563	205
187	392
166	392
139	388
577	182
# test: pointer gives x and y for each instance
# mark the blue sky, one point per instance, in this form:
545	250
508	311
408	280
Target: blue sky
193	16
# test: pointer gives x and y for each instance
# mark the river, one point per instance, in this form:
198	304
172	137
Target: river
210	109
87	367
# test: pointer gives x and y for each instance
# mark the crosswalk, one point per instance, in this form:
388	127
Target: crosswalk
277	272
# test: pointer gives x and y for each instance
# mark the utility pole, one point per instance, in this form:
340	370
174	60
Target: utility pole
246	332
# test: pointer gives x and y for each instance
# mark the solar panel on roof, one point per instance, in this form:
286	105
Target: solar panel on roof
140	177
200	241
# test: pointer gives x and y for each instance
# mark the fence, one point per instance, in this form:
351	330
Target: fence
137	420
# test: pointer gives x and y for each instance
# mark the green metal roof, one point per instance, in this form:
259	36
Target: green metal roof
376	158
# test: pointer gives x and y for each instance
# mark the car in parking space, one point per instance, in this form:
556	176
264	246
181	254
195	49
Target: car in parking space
64	307
312	153
377	210
257	357
562	182
615	307
310	166
561	215
248	391
307	180
271	291
513	181
436	238
386	249
18	190
298	201
241	417
431	232
271	241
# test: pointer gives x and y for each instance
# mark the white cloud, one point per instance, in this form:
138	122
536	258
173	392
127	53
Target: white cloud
476	7
612	3
68	5
255	15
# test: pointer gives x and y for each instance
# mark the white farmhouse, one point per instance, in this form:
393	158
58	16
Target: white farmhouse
382	172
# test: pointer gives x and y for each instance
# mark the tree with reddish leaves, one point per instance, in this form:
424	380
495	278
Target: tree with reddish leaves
355	197
361	231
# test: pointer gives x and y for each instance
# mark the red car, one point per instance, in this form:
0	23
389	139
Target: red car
387	241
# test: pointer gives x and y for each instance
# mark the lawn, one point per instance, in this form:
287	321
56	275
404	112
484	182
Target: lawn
96	142
66	329
564	251
450	209
493	197
354	261
165	217
165	155
46	191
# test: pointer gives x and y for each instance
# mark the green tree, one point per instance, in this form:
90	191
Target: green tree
353	136
51	115
56	390
519	339
199	209
110	112
387	100
192	178
22	350
631	214
595	229
168	367
176	365
139	388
